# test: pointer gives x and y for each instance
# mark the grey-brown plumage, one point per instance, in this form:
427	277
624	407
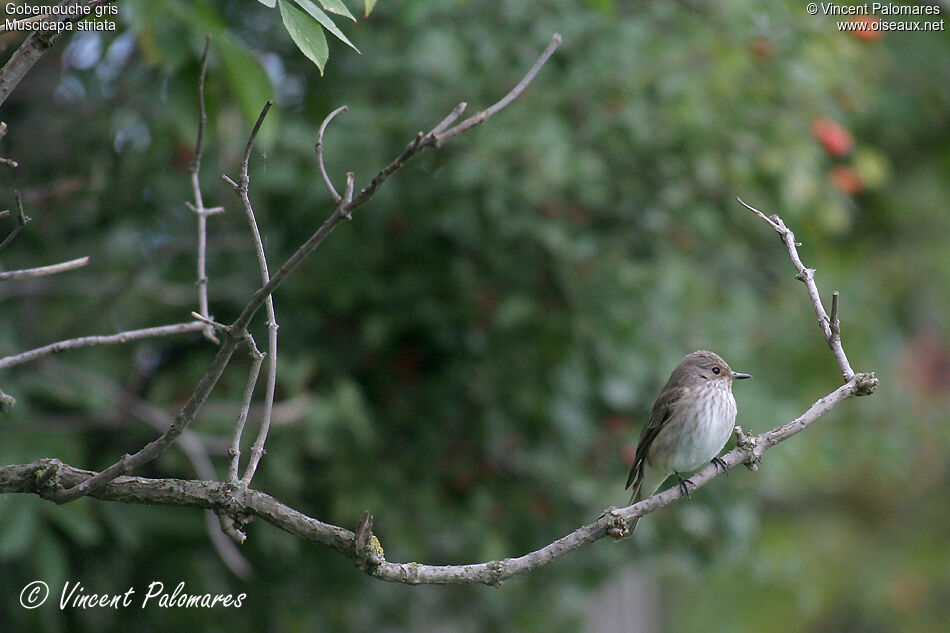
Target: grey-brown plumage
691	421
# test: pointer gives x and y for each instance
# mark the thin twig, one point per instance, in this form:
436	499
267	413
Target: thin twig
199	205
807	276
515	92
211	322
234	453
29	273
250	140
318	149
22	218
450	118
89	341
835	324
350	180
203	114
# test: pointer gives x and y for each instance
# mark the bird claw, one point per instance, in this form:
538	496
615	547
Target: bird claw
684	485
719	463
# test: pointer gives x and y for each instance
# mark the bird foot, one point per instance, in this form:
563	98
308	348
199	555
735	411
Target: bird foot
684	485
718	461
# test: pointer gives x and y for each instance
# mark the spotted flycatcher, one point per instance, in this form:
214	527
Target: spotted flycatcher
691	421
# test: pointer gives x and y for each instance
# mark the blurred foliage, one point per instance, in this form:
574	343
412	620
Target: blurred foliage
472	356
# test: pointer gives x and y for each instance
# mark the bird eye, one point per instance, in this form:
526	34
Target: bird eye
716	370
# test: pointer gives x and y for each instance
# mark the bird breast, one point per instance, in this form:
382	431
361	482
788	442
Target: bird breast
697	430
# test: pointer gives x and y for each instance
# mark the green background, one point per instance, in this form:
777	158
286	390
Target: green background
471	357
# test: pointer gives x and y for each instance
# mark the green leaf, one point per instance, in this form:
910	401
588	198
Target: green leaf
337	6
247	81
325	20
369	4
246	78
307	35
270	4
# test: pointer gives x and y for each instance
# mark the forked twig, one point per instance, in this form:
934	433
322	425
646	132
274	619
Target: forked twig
257	450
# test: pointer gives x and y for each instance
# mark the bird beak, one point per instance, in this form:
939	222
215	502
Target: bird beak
737	375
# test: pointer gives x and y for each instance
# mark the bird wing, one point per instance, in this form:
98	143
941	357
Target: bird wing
662	410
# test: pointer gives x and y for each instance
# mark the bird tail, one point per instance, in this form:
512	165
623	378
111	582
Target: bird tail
645	483
636	493
637	487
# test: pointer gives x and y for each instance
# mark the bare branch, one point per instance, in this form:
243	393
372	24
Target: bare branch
318	149
29	273
46	476
89	341
807	276
199	205
364	548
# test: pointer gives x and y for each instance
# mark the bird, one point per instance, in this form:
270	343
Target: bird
691	421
